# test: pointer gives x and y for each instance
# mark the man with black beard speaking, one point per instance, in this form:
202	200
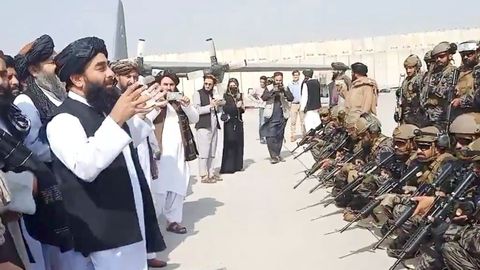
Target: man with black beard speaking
93	138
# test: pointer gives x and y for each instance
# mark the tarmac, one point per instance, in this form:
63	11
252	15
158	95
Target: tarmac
254	218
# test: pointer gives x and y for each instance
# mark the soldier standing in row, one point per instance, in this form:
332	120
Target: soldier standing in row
410	92
439	85
463	101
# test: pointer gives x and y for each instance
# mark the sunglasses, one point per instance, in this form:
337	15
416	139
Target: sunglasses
463	141
324	115
400	143
424	146
208	84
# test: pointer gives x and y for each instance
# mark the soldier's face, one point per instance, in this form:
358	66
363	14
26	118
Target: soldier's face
402	147
410	71
325	117
425	150
469	58
442	59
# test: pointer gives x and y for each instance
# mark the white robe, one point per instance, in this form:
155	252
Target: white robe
174	171
45	256
87	157
312	118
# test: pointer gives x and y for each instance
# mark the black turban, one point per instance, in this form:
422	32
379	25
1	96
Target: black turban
339	66
359	68
308	73
9	61
73	59
170	75
33	53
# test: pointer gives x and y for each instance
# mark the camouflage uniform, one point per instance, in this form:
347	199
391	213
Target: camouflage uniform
453	242
380	147
476	86
410	89
395	204
464	252
438	85
435	100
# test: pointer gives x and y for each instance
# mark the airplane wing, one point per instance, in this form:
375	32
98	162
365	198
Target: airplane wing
266	67
177	67
189	67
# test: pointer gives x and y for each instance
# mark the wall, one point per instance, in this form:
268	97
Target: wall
383	55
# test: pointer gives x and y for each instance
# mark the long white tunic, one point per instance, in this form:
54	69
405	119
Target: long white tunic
32	140
174	171
312	118
87	157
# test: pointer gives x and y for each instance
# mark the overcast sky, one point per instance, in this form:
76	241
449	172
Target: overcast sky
181	26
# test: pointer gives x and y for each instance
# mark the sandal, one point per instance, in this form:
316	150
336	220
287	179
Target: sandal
176	228
208	180
217	178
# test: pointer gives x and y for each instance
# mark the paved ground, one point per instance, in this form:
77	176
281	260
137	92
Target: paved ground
251	219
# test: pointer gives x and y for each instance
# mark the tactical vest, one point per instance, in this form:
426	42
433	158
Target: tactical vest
465	83
431	172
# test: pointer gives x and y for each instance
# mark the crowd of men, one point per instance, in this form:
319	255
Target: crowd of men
91	157
92	154
421	186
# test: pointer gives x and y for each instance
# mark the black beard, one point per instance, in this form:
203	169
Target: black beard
469	64
101	98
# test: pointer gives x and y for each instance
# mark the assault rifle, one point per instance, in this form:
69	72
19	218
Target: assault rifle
336	170
423	190
317	165
440	212
385	189
350	187
307	137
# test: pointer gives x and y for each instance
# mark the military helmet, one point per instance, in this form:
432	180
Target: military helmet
412	61
404	132
471	45
324	110
467	123
473	150
367	122
338	112
444	46
351	119
427	134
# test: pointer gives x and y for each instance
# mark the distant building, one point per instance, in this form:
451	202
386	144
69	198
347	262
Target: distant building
384	55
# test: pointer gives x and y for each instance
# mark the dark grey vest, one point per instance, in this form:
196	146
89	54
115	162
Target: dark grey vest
102	214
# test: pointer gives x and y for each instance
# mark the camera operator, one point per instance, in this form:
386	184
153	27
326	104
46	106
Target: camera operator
277	112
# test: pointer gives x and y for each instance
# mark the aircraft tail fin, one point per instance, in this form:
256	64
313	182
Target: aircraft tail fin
120	42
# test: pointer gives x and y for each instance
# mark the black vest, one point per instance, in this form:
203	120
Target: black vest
314	101
205	120
102	213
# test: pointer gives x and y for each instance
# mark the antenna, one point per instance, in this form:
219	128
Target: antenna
141	47
213	52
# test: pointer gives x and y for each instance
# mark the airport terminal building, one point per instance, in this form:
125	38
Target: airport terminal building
384	55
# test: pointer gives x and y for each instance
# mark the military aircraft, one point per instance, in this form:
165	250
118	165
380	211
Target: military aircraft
193	70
